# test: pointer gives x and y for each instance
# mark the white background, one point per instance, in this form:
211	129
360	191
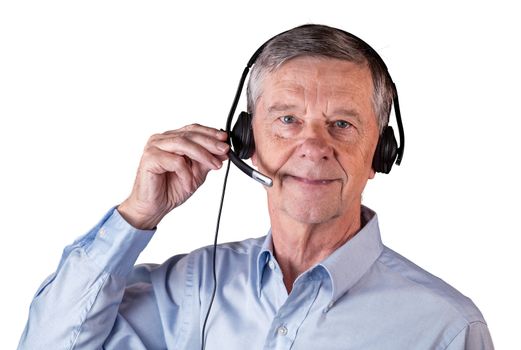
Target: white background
84	84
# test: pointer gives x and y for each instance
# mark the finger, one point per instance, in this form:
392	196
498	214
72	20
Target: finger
189	175
189	180
157	161
222	157
210	143
192	148
197	128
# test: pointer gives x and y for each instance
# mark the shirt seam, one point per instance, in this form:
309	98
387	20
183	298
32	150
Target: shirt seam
79	328
463	329
187	301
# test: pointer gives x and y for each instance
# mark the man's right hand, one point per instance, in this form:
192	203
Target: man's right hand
174	164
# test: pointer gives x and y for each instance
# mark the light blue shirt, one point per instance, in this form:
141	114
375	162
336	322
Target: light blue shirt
363	296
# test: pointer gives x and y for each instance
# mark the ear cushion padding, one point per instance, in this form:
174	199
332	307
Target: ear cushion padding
386	151
242	136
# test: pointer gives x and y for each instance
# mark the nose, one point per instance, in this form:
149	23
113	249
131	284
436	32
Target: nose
315	146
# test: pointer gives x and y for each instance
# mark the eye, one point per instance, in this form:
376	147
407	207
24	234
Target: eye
288	119
342	124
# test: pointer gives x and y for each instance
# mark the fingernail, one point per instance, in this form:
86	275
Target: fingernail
223	147
217	164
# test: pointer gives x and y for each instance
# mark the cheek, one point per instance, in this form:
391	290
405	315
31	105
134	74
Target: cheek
271	152
357	163
262	149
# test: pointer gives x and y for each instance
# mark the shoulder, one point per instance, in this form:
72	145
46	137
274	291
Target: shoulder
427	289
236	256
181	273
201	258
245	248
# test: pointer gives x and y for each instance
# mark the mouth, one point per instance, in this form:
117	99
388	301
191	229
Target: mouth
308	181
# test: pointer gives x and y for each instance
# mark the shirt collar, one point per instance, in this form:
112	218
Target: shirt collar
351	261
265	254
346	265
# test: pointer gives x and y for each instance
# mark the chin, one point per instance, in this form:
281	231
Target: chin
312	213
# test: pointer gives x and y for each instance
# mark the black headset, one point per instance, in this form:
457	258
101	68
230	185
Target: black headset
241	136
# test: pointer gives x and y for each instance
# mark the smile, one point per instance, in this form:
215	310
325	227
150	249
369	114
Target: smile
311	181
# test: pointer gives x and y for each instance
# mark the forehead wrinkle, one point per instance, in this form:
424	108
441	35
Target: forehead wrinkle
283	96
309	89
345	108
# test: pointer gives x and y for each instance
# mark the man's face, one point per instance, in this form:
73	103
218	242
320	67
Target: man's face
315	134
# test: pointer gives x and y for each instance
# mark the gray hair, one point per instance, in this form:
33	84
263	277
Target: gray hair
323	42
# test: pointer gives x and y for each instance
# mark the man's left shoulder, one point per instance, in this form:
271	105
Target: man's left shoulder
426	289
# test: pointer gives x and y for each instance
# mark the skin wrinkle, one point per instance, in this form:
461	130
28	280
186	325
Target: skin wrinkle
311	219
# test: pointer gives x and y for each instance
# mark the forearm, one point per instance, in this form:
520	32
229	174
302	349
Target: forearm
77	306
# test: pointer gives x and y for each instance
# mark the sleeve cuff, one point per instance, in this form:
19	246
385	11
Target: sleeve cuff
115	245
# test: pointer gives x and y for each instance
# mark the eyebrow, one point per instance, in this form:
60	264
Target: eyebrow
342	112
346	112
281	107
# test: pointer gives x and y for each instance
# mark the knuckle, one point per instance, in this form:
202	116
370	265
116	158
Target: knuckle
176	161
175	140
152	139
194	127
169	142
149	152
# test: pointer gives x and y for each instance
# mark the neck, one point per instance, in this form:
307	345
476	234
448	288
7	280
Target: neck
299	246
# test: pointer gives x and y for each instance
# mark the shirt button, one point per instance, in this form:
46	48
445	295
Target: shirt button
271	264
328	307
282	330
102	232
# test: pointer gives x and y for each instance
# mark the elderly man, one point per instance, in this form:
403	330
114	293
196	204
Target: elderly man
320	279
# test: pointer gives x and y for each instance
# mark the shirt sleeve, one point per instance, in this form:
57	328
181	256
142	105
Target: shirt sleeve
77	306
474	337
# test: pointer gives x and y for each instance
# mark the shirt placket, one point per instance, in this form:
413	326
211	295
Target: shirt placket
287	321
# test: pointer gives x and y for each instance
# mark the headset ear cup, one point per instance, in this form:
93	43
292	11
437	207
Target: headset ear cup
242	136
386	151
